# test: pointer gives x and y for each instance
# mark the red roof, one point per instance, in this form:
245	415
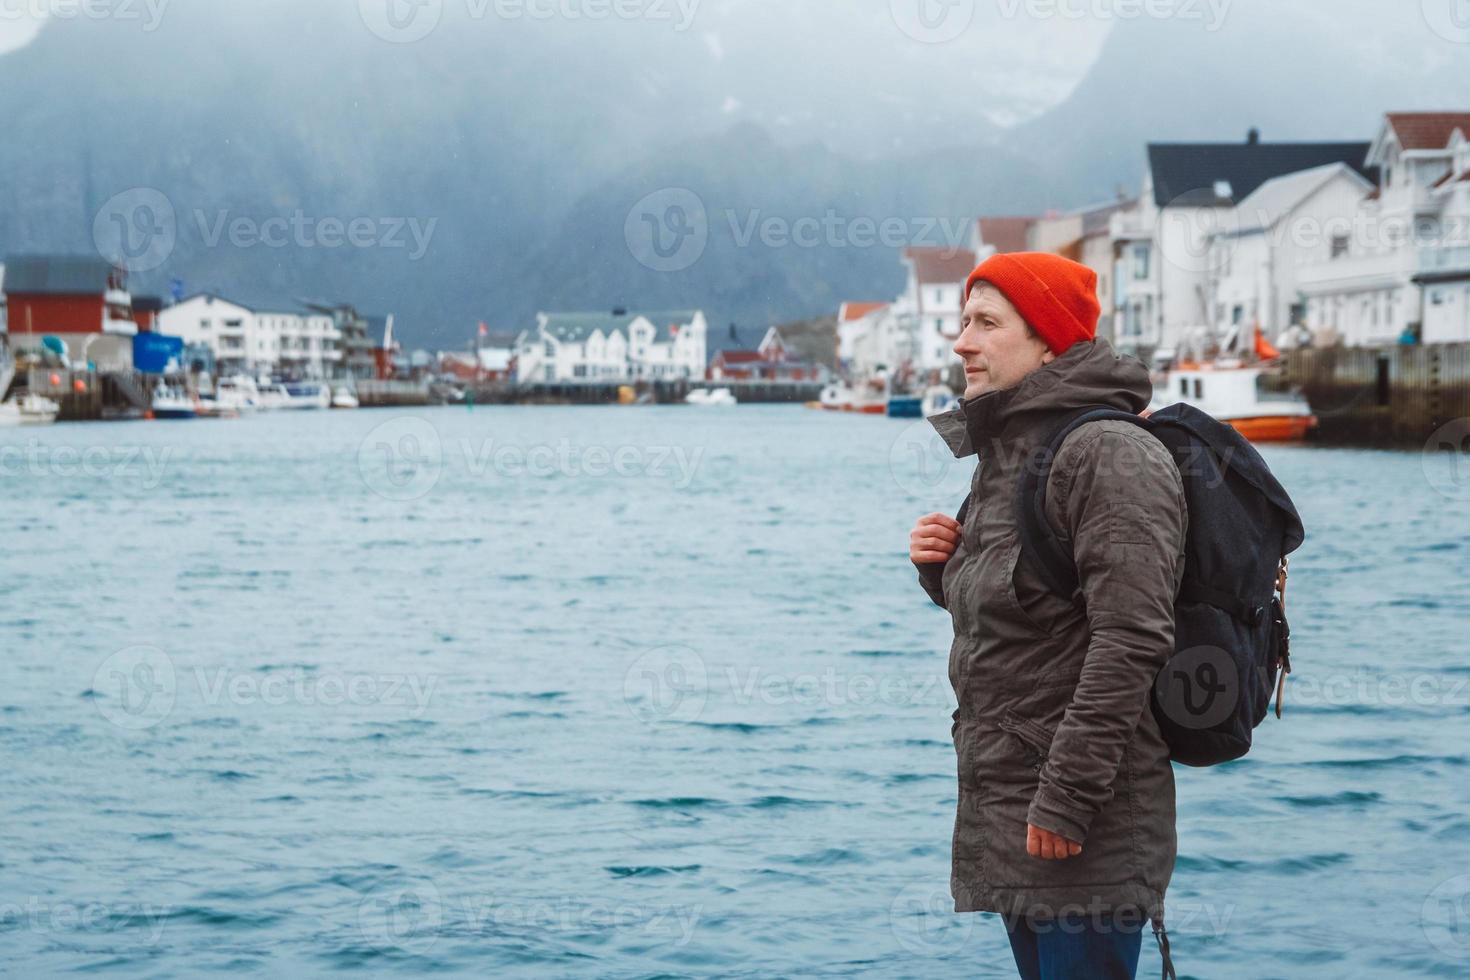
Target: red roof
1427	130
856	311
933	264
1006	234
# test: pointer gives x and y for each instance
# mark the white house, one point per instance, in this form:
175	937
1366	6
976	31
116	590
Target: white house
1162	284
1401	266
1283	225
616	346
256	342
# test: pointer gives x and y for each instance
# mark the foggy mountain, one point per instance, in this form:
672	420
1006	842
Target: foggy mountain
741	156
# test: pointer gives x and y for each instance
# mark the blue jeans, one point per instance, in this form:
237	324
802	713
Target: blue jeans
1079	949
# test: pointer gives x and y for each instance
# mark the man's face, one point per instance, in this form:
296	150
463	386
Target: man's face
995	344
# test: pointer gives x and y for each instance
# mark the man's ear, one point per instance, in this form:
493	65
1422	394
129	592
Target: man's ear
1048	357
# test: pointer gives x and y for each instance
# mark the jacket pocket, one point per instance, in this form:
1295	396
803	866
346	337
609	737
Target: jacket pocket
1034	736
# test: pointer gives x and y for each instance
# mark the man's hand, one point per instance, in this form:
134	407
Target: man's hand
933	539
1049	846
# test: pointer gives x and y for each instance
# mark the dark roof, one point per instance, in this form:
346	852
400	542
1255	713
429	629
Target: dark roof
1190	171
577	327
1428	130
938	264
147	304
57	274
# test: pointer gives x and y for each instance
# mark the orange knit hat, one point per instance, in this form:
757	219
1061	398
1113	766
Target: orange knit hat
1056	296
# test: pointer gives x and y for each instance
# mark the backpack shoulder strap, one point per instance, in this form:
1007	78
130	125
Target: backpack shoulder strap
1047	547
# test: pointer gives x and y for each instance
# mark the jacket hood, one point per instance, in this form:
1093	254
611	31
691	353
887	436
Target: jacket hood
1088	374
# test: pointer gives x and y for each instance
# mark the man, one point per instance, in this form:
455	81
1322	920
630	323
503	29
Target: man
1066	796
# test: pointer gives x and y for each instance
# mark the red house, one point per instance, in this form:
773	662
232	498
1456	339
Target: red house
769	362
81	300
68	295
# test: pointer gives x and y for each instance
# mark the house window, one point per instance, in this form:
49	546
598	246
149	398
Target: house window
1184	387
546	373
580	371
1199	388
1140	262
1339	246
550	349
1436	297
1237	313
939	325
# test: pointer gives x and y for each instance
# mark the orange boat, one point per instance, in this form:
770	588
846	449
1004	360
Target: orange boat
1246	396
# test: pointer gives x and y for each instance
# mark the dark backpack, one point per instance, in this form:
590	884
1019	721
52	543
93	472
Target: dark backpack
1230	630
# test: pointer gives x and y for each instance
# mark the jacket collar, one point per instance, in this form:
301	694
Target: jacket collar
1087	374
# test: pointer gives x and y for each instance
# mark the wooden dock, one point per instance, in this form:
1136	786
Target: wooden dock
1382	396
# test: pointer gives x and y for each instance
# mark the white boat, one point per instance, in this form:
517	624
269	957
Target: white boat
28	409
238	393
344	398
938	399
711	397
271	396
1246	396
171	402
308	395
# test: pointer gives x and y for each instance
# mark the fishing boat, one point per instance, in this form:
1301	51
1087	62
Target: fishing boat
869	399
1246	396
344	398
906	406
1240	389
938	399
239	393
173	402
712	397
308	395
28	409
